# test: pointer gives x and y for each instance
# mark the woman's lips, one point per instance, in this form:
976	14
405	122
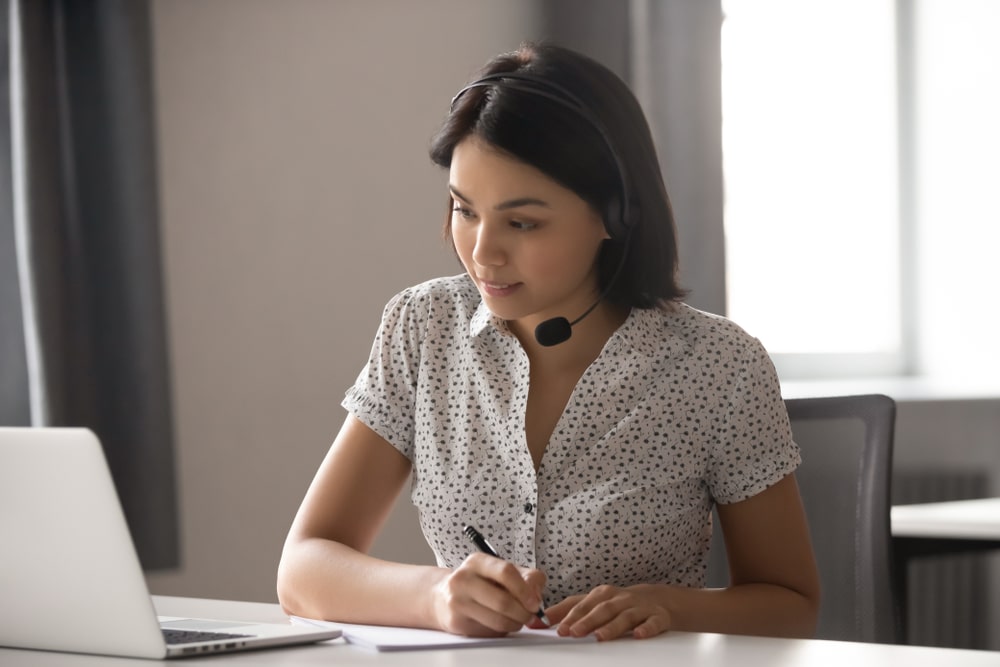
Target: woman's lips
498	289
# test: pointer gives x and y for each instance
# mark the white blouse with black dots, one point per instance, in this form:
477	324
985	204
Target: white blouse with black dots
681	408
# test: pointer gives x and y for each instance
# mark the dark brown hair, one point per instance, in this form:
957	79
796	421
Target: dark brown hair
595	143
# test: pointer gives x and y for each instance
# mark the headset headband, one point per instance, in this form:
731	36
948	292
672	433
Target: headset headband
617	218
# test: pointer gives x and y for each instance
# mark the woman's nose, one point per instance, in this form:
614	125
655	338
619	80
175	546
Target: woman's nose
489	250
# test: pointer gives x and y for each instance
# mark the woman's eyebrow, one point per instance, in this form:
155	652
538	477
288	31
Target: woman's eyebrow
521	201
510	203
456	193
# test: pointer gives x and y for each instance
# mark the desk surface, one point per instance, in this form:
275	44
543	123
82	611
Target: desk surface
677	648
958	519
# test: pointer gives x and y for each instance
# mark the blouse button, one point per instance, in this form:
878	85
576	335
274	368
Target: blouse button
528	507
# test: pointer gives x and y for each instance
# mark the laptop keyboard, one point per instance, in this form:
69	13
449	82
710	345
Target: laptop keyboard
174	637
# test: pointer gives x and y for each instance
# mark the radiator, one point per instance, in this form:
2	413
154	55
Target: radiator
948	603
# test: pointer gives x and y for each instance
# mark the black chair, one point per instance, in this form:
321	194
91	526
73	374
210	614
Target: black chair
846	444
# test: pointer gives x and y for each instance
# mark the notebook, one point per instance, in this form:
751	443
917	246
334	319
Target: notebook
70	579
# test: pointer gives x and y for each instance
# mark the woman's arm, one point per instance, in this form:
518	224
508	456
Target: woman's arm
325	571
774	585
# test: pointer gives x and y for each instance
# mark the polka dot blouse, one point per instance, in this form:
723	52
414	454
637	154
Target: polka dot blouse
681	409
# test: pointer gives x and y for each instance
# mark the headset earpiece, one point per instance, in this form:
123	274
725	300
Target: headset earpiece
613	221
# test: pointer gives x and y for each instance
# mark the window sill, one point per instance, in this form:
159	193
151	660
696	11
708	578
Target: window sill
905	388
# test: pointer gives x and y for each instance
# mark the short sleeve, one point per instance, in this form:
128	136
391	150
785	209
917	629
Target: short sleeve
384	395
755	449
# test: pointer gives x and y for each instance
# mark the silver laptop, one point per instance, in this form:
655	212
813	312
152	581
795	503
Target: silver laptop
70	579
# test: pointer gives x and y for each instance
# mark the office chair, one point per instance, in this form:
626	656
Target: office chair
846	444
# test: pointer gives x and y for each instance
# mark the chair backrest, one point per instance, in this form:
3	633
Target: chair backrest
846	444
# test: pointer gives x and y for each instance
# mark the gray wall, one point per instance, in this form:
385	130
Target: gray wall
297	197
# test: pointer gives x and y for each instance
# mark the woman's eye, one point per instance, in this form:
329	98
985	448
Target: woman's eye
464	213
523	226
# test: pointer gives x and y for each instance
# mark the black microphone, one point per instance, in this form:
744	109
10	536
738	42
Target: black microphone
558	329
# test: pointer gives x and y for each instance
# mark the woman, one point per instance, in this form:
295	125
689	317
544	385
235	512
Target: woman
590	453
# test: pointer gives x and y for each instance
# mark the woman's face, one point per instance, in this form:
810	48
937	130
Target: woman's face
529	244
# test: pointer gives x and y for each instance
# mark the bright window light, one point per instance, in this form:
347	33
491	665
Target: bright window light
957	180
810	161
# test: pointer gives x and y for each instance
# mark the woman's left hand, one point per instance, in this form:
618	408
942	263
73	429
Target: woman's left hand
611	612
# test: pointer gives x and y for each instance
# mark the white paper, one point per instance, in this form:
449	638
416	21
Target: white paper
390	638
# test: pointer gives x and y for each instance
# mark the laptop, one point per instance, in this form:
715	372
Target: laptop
70	579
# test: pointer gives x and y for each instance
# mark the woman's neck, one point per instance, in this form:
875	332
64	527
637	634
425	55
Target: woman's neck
588	338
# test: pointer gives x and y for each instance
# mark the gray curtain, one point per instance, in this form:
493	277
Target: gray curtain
14	408
84	334
669	53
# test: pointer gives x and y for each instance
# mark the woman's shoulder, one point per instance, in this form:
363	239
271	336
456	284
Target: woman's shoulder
709	345
690	324
457	289
446	298
701	323
696	332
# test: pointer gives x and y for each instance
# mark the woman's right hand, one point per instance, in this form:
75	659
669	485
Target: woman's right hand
487	597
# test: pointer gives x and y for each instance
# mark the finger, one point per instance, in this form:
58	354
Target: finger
536	623
474	606
535	581
485	582
617	626
592	615
653	626
495	599
487	621
570	623
522	584
620	616
557	612
468	627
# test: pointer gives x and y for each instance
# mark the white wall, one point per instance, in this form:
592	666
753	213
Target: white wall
297	197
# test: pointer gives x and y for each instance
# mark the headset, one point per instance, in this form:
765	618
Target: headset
617	217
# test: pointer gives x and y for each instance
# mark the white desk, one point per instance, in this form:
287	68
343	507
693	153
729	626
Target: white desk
678	648
936	529
930	529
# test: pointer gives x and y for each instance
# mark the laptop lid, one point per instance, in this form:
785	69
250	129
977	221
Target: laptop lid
70	579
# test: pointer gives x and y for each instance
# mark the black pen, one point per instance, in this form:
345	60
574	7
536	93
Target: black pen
477	538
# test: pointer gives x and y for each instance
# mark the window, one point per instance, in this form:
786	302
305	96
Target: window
859	156
809	151
956	182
